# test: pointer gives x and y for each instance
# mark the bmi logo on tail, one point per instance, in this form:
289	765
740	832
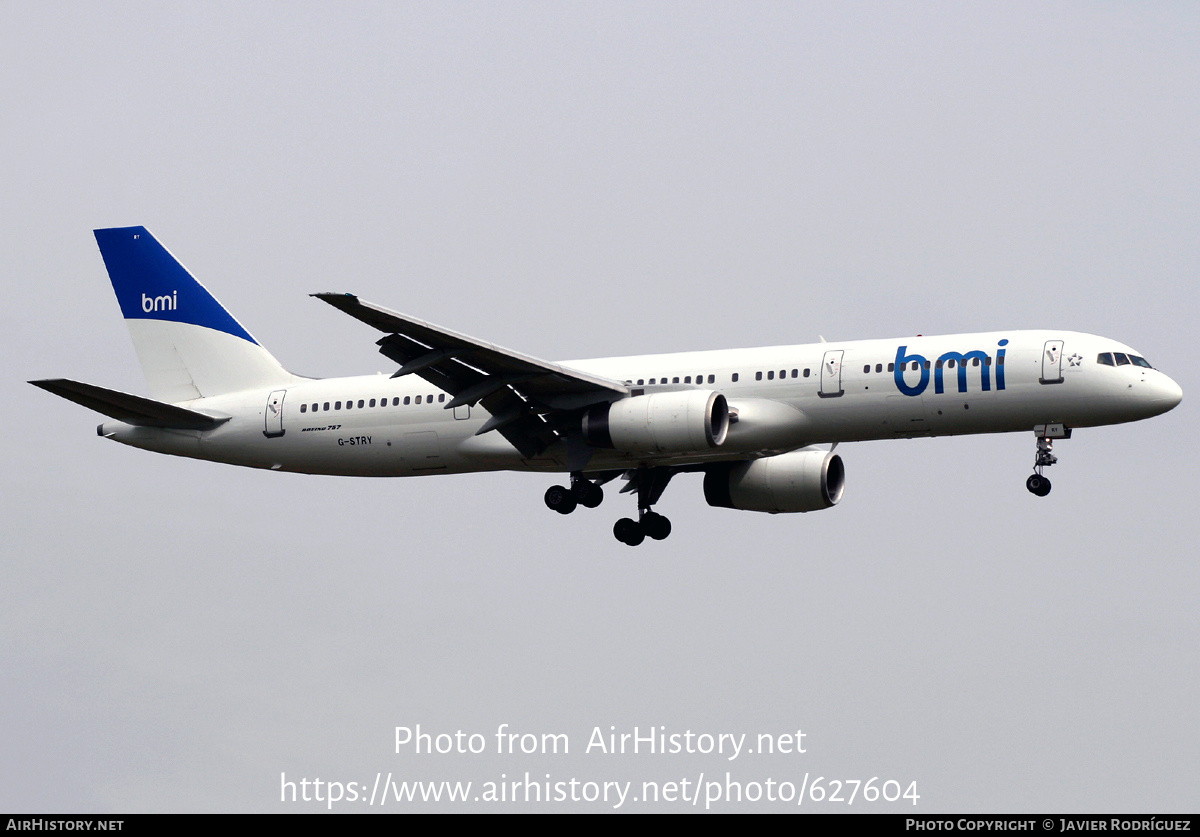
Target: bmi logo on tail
150	304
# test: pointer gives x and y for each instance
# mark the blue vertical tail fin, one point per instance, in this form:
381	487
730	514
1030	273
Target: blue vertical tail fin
188	344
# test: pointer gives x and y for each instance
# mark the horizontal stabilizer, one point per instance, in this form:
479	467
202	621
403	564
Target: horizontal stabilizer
131	409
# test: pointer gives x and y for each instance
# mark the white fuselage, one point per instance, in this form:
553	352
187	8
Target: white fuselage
784	397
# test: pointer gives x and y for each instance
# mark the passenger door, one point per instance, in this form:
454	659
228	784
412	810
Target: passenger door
1052	356
831	374
274	414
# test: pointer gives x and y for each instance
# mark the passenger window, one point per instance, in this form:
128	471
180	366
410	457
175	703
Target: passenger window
1122	359
372	404
734	377
758	376
304	408
360	403
326	405
771	375
867	369
337	405
396	401
407	400
652	380
641	381
1105	359
712	379
795	373
879	367
441	397
688	379
806	371
418	399
891	367
675	380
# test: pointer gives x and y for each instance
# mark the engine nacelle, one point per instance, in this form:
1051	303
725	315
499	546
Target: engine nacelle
664	422
800	481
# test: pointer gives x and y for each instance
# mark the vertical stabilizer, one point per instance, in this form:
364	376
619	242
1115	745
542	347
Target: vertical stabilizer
188	344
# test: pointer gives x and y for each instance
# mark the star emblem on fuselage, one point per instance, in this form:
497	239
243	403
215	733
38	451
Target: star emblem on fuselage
1075	359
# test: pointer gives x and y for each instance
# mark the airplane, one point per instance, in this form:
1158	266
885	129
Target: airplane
761	424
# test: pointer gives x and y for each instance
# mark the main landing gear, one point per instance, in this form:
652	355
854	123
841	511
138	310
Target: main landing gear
583	492
649	524
649	484
1038	484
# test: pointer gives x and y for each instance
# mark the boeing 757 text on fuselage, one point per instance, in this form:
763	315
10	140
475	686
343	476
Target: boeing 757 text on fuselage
761	424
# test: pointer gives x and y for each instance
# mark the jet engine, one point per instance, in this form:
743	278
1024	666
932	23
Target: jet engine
664	422
799	481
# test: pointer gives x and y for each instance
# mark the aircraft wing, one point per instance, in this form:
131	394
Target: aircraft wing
525	396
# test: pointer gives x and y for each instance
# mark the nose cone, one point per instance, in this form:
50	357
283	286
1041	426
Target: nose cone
1168	393
1157	395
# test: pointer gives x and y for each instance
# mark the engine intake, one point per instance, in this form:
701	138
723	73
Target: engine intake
664	422
800	481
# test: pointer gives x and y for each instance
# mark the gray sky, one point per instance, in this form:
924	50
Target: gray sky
577	180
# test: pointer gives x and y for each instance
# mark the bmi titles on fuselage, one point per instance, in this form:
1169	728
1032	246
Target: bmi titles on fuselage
960	360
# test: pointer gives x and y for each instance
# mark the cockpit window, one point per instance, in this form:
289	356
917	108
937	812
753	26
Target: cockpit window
1122	359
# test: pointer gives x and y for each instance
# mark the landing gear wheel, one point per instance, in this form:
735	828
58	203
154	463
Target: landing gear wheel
1039	485
629	532
656	526
560	499
587	493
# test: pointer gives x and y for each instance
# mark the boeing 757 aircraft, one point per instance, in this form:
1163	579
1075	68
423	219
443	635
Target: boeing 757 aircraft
761	424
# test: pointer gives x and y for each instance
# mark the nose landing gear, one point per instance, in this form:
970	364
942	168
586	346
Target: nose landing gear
1044	458
1039	485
